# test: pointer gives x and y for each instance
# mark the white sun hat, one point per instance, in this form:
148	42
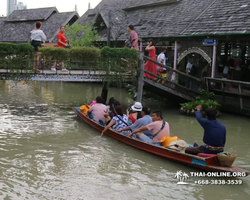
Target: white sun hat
137	106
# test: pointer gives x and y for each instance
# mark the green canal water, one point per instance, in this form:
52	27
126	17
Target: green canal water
47	153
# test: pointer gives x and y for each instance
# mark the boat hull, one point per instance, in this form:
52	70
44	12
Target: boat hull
206	164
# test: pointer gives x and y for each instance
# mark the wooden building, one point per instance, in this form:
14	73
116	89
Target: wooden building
182	25
17	26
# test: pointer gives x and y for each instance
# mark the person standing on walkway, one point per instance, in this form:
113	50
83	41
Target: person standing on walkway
133	38
150	66
37	36
61	43
162	70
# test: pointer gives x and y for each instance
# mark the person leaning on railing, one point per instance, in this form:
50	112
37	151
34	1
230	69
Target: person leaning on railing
37	36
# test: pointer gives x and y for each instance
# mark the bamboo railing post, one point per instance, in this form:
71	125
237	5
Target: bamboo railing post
140	80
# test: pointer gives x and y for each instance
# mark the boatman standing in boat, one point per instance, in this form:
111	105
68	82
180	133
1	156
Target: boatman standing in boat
159	129
214	133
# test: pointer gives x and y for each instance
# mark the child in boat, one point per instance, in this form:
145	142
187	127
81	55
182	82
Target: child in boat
214	133
119	121
85	108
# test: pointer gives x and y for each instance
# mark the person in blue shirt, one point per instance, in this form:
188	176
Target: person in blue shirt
214	133
144	121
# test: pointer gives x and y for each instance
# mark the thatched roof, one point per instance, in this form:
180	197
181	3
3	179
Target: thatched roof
167	18
17	26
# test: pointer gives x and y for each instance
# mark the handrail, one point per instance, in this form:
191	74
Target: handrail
229	81
176	71
172	82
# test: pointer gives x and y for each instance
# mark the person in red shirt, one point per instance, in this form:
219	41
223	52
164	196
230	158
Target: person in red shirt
61	43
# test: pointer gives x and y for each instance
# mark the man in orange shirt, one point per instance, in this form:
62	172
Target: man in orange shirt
61	43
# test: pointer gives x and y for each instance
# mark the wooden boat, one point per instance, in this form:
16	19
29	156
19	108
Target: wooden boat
210	164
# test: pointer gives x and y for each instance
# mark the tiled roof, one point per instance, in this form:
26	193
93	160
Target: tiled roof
159	18
31	14
18	30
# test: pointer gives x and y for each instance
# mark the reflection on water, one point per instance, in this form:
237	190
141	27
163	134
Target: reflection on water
48	153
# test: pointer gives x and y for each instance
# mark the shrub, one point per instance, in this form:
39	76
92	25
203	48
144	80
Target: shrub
16	56
118	53
55	53
85	54
205	99
7	49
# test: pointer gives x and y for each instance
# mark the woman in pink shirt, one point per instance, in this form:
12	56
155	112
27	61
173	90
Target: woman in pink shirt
133	38
159	129
97	111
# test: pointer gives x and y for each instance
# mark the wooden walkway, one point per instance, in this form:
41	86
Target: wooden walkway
59	75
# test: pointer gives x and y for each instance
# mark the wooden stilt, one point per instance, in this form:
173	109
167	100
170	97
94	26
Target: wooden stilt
140	80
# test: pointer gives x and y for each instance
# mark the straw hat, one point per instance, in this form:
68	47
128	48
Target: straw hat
180	145
137	106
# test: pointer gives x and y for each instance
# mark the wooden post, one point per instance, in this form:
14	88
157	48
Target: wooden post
140	80
241	102
175	59
214	61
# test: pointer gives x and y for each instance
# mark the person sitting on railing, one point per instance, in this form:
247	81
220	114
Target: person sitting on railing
136	108
214	134
162	70
159	129
144	121
119	121
97	111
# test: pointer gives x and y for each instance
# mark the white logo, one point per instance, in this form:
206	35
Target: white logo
181	177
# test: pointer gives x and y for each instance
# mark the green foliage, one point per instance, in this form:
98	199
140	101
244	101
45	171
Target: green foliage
7	49
16	56
55	53
74	34
118	53
205	95
205	99
85	54
120	59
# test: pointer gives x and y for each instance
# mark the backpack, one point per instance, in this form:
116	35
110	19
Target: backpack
194	70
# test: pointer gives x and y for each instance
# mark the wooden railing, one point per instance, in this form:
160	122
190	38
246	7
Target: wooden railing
175	82
232	94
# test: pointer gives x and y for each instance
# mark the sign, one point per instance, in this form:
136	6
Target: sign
210	42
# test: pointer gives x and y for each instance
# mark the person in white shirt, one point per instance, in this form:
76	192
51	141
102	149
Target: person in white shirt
189	67
37	36
162	59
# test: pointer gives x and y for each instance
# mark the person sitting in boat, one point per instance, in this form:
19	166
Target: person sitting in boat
110	112
144	121
158	127
214	133
119	121
136	108
97	111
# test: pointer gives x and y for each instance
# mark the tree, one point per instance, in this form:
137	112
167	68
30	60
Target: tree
81	35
